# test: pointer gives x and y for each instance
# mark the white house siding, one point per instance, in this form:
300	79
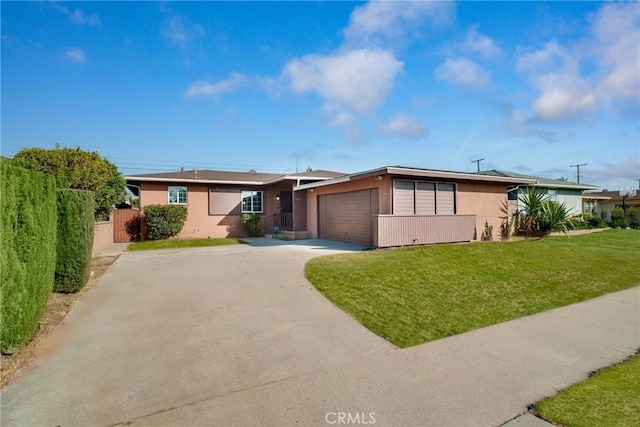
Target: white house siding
571	198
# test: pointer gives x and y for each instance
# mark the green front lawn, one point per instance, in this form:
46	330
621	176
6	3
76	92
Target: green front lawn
180	243
413	295
611	397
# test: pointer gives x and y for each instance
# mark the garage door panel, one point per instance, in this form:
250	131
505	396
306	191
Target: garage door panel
346	217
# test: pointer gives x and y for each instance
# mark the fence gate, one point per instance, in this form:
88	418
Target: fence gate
120	218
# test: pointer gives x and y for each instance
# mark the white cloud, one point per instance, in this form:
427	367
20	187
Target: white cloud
205	88
359	76
348	124
75	54
358	79
519	124
405	127
181	32
77	16
392	19
479	43
625	172
556	73
550	55
616	29
463	72
557	102
610	51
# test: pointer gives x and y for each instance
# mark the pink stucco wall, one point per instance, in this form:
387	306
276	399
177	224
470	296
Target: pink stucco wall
199	223
102	236
484	201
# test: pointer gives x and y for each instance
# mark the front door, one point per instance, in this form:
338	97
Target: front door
286	202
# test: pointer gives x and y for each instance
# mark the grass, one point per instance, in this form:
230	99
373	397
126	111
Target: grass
611	397
180	243
413	295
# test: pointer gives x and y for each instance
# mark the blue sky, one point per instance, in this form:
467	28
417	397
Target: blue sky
531	87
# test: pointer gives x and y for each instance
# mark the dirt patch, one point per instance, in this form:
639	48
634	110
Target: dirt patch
58	305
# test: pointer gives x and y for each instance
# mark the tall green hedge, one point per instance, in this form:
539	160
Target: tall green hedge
27	253
164	221
75	239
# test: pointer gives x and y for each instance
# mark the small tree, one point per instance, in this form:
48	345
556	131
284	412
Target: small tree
634	219
618	219
164	221
78	169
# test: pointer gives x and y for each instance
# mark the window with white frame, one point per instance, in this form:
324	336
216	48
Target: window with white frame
178	195
252	202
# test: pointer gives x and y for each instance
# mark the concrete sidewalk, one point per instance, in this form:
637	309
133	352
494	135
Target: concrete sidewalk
236	336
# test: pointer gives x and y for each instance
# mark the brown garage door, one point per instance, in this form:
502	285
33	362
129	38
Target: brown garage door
347	217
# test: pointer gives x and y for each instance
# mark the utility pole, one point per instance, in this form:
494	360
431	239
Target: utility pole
477	161
578	169
638	183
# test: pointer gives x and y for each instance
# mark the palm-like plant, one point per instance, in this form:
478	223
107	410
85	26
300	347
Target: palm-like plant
540	214
554	217
532	202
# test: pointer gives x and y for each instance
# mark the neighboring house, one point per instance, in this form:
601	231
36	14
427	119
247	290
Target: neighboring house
388	206
567	192
216	200
607	200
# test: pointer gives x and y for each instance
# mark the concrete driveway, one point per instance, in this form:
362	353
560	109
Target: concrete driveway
236	336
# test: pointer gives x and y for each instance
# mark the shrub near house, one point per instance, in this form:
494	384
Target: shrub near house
164	221
75	239
28	255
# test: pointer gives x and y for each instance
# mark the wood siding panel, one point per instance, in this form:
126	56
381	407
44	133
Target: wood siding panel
406	230
445	203
425	198
403	197
225	201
